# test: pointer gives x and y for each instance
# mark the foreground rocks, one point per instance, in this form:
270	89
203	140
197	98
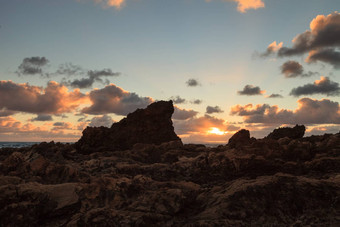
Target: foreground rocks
267	182
152	125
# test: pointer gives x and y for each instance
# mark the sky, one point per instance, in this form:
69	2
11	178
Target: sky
226	64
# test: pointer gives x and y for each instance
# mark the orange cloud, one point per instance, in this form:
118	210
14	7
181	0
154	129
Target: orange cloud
13	130
309	111
53	99
244	5
110	3
204	129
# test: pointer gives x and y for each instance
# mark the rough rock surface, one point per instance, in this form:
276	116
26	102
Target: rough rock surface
293	133
152	125
288	182
240	138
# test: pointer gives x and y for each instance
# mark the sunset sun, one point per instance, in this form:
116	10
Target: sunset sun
217	131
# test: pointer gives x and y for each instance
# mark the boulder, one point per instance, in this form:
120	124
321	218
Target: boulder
292	133
240	138
152	125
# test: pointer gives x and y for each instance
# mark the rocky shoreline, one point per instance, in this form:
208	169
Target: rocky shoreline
275	181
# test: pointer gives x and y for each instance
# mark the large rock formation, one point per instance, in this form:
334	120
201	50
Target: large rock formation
240	138
152	125
293	133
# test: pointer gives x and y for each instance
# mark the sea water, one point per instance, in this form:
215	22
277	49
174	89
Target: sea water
16	144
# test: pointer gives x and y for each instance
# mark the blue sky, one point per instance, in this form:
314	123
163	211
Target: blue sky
157	46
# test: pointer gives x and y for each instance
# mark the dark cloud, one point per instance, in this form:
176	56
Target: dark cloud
271	50
53	99
232	128
104	120
309	111
292	69
62	126
113	99
69	69
275	96
196	101
213	109
93	76
183	114
251	90
323	86
58	124
43	117
324	32
320	41
32	66
4	112
329	56
177	100
192	83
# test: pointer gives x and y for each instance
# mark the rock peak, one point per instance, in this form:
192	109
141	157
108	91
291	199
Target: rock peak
152	125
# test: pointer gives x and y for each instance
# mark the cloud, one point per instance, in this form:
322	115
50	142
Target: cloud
251	90
196	101
322	129
69	69
198	129
323	86
177	100
93	76
104	120
292	69
43	117
309	111
329	56
183	114
212	109
198	125
275	96
12	129
244	5
192	83
113	99
321	41
271	49
53	99
118	4
32	66
4	112
62	126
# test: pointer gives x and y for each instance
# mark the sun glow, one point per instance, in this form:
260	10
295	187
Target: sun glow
216	131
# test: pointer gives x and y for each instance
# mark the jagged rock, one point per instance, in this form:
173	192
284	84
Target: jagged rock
240	138
285	182
152	125
293	133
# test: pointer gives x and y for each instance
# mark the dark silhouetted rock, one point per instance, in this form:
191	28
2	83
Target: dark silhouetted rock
152	125
293	133
240	138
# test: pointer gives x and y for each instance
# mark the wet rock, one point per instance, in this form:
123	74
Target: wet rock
152	125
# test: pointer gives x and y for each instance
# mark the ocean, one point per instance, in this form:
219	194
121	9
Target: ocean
17	144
